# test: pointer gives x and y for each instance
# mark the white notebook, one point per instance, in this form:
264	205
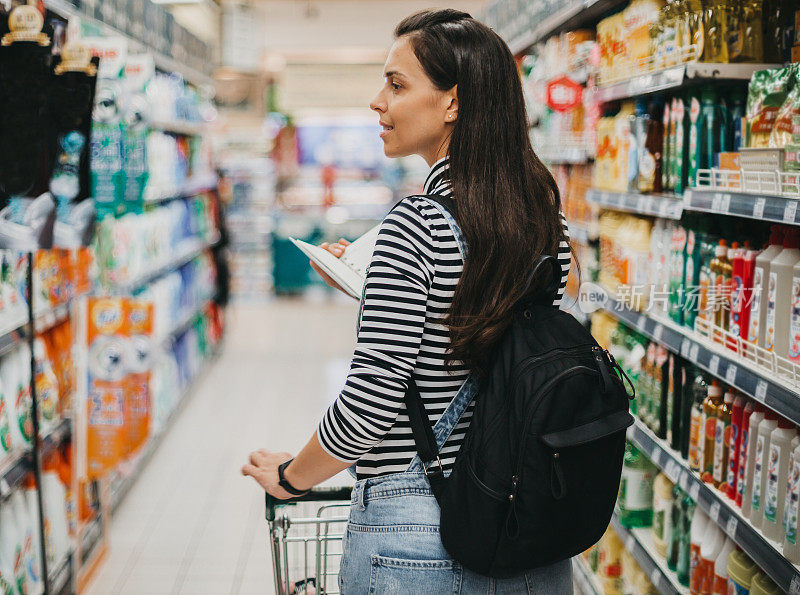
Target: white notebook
349	271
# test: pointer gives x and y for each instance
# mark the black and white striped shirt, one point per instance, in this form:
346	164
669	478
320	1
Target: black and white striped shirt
413	273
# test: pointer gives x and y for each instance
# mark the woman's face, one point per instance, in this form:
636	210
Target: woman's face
416	117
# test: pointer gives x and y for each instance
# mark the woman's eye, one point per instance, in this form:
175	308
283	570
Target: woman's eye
395	86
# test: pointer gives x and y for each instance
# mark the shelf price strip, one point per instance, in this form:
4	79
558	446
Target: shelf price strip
716	505
778	209
644	204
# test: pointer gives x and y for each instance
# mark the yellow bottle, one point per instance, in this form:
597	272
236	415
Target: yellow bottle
715	21
745	32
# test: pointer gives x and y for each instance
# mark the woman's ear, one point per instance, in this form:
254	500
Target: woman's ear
451	112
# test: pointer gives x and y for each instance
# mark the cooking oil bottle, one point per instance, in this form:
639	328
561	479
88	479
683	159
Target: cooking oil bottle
745	32
715	22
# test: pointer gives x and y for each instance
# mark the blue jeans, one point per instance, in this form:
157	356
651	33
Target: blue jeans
392	546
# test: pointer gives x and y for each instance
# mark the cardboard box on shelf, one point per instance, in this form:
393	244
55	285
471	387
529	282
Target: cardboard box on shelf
730	160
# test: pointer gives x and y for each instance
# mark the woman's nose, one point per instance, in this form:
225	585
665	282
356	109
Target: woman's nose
377	104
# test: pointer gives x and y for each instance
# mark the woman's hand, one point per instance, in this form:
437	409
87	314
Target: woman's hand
263	468
337	250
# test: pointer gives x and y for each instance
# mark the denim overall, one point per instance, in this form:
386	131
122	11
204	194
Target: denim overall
392	544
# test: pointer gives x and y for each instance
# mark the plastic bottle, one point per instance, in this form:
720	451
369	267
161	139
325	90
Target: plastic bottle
676	515
737	412
776	472
28	532
638	132
683	569
710	405
763	585
744	263
54	500
720	581
791	543
11	547
779	297
787	502
660	390
681	154
758	309
769	423
677	377
741	458
662	513
723	276
706	300
696	428
651	163
741	571
722	439
701	528
736	113
794	317
689	373
712	544
7	579
635	502
6	440
715	296
29	488
667	131
750	462
677	273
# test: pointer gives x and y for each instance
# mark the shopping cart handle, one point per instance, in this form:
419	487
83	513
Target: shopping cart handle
315	495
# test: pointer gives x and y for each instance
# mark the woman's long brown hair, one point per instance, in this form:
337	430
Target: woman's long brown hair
507	202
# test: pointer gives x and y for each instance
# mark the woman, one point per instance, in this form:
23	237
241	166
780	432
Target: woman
453	96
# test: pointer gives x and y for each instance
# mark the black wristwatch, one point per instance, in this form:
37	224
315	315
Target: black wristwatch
284	483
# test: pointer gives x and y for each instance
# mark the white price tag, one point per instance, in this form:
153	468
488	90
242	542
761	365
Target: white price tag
5	489
725	203
794	586
715	201
694	491
642	204
789	211
758	207
761	390
672	471
658	333
731	525
693	352
641	320
685	346
655	578
713	365
714	512
684	481
730	374
658	455
663	208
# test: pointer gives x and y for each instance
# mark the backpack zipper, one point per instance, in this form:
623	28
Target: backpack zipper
519	369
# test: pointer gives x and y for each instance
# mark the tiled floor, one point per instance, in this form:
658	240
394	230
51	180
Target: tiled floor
192	524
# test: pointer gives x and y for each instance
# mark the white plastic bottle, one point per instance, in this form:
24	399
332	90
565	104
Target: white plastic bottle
780	445
18	405
750	463
791	539
713	542
720	582
29	490
758	310
28	531
11	547
779	294
55	510
769	423
794	317
6	438
792	447
700	523
7	580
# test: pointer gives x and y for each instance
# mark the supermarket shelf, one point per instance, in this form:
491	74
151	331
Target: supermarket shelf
763	207
180	127
639	544
718	506
162	61
675	77
13	472
60	577
91	534
715	359
655	205
192	187
183	255
123	485
565	156
585	579
186	321
574	15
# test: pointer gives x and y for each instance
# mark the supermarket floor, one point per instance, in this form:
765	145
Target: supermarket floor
192	524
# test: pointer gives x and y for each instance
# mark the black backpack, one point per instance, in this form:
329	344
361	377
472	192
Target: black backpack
538	473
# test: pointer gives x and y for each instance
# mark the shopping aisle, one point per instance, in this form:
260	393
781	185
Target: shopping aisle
191	523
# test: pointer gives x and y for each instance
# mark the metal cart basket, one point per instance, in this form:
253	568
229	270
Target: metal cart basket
307	547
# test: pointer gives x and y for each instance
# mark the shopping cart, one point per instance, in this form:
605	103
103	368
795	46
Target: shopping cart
307	548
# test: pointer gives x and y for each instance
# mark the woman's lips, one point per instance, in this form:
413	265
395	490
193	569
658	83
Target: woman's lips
386	129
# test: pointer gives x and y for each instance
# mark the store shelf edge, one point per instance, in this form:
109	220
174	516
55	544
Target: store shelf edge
186	254
59	578
726	367
763	207
718	507
661	580
652	205
584	577
191	188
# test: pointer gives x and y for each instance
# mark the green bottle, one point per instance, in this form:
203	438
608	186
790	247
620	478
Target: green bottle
635	503
684	543
673	547
680	155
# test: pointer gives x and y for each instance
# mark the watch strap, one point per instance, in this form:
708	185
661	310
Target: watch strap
284	483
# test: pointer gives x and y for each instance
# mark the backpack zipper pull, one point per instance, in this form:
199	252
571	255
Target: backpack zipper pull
601	365
512	523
